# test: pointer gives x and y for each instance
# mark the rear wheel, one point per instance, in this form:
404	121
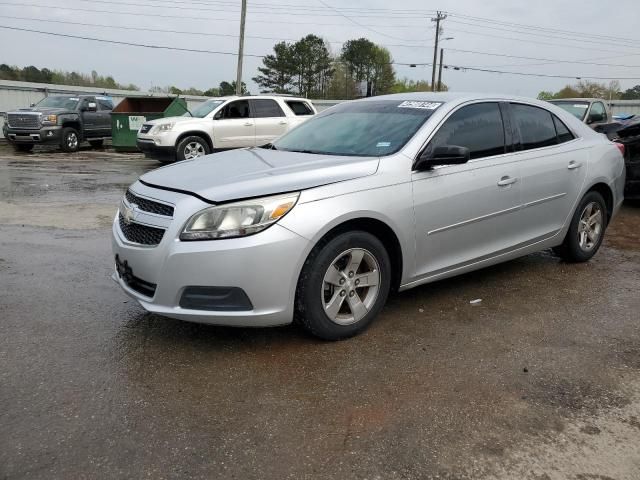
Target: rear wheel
23	147
343	285
192	147
586	231
70	140
96	143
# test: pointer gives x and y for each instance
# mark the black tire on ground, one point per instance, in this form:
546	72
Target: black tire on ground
310	311
193	142
23	147
96	143
571	249
70	140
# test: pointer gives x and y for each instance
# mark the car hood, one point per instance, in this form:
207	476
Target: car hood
46	111
253	172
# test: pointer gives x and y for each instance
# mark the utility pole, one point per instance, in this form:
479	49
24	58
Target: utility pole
243	14
440	70
440	16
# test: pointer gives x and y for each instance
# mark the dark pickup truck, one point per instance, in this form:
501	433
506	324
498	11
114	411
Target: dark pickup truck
64	120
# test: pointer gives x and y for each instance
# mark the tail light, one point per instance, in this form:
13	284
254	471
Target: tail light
620	147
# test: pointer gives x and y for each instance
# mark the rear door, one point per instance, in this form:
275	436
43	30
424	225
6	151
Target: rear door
233	126
270	120
468	212
553	166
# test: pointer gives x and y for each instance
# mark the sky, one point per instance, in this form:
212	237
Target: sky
601	36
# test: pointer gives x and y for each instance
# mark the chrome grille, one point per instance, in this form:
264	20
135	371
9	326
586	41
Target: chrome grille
149	206
23	120
142	234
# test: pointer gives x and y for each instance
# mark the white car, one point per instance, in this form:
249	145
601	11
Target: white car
223	123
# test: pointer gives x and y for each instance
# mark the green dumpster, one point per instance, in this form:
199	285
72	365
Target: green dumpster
132	112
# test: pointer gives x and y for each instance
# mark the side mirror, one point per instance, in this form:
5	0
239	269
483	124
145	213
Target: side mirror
92	107
442	155
595	117
32	105
218	115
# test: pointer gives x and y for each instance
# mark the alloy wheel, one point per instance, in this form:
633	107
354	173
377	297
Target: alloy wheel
72	140
590	226
193	150
350	286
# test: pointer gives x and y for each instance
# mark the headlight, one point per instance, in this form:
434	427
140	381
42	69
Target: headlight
238	219
162	127
53	119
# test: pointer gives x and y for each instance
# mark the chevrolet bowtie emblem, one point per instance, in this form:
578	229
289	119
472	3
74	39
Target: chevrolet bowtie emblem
129	213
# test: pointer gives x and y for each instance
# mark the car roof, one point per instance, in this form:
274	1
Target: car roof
576	99
456	98
253	97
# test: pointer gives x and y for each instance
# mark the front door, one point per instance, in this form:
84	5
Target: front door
90	117
465	213
234	126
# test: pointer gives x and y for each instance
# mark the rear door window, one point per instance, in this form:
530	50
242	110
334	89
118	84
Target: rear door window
299	108
536	126
266	108
478	127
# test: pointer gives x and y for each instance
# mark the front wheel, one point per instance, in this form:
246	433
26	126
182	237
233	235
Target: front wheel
70	140
192	147
343	285
586	231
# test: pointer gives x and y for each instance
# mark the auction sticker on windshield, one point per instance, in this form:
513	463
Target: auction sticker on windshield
421	105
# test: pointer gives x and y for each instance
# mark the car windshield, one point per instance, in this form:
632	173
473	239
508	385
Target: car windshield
577	109
361	128
204	109
69	103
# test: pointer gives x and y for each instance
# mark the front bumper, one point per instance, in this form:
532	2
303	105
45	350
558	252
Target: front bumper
159	152
44	135
265	266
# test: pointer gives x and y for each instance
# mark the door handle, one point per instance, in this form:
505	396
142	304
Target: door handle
283	122
573	165
248	124
506	181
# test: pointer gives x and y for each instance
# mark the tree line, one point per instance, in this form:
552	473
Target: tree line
590	89
306	68
59	77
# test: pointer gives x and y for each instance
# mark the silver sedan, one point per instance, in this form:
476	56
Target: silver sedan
368	197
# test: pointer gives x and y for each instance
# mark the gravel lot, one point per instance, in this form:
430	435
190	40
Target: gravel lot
541	380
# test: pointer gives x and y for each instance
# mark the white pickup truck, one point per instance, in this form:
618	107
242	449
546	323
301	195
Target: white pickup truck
222	123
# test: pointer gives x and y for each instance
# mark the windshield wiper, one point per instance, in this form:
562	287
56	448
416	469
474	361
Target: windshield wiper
313	152
268	146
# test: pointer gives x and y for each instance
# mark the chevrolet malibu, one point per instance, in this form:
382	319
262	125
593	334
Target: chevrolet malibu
368	197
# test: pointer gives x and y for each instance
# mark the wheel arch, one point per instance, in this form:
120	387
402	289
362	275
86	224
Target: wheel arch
195	133
607	193
377	228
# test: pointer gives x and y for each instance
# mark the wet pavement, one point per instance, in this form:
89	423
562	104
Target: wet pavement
541	380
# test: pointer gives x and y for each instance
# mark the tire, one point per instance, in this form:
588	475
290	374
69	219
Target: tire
70	140
584	239
23	147
317	298
96	143
192	147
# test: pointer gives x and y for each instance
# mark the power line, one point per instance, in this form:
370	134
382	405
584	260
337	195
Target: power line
182	32
360	24
542	59
537	34
546	29
132	44
200	17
